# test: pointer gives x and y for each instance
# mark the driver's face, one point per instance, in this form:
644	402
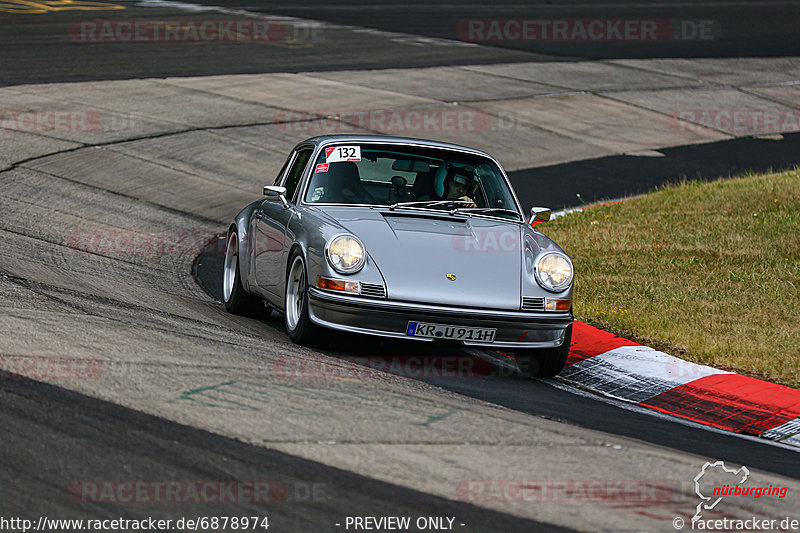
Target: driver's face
456	190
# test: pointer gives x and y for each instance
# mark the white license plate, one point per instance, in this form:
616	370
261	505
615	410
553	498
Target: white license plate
443	331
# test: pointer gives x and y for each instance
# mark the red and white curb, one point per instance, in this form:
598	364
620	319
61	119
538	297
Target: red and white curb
620	368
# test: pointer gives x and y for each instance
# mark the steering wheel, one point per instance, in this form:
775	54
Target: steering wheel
398	193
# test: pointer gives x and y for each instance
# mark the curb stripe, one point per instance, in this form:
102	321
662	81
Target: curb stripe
626	370
588	341
737	403
788	433
635	373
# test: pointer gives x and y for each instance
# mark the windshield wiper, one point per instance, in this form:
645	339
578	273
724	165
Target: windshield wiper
426	203
487	210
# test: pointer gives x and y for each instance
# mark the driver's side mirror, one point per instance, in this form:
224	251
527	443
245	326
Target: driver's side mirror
540	214
273	191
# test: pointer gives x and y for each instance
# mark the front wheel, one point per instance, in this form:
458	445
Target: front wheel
298	324
547	362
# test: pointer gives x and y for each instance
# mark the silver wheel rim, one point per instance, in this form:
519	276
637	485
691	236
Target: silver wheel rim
229	272
295	293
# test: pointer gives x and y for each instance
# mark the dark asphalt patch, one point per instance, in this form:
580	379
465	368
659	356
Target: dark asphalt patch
590	30
48	47
65	46
591	180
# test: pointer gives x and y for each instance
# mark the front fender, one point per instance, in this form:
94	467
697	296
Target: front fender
310	229
536	243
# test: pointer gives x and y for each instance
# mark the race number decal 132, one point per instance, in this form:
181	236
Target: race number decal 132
342	153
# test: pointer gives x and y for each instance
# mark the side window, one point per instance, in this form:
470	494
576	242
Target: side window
282	171
294	174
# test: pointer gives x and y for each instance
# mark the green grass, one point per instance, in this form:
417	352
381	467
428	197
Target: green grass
707	271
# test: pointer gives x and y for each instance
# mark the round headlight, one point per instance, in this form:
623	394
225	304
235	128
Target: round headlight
345	254
554	271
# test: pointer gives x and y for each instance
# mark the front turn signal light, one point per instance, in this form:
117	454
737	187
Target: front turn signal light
351	287
553	304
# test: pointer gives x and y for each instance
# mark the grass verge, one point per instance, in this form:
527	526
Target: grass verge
707	271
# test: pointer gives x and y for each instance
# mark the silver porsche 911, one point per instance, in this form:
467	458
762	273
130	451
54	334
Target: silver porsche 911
402	238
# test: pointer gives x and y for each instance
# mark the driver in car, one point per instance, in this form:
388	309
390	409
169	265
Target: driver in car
453	182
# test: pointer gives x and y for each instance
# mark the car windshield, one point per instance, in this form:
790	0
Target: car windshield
402	177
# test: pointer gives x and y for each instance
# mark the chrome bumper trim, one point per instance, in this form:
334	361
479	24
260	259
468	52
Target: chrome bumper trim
413	307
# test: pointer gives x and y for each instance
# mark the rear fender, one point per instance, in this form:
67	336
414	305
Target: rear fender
243	224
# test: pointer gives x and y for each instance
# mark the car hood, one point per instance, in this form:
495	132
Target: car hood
418	256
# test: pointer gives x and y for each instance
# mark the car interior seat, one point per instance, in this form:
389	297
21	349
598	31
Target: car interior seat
343	185
423	186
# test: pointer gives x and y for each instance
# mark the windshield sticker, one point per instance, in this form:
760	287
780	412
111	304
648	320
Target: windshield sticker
342	153
322	167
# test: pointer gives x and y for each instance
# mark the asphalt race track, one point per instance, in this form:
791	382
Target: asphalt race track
127	390
735	29
49	46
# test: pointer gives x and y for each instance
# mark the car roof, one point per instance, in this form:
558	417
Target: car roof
366	138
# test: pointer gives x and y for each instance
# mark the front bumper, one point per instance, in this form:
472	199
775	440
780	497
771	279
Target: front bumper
386	318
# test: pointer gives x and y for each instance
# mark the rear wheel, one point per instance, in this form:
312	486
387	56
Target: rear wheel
237	300
298	324
547	362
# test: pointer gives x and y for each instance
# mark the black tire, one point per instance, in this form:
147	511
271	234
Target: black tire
547	362
295	316
237	300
